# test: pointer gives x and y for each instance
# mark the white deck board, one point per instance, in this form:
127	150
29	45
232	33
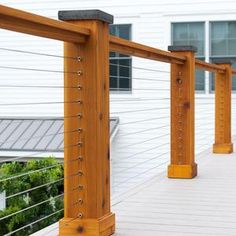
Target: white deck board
205	205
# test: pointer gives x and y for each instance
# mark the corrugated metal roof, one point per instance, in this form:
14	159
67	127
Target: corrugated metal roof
36	134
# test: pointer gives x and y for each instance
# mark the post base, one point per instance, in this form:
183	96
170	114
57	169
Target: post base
224	148
182	171
104	226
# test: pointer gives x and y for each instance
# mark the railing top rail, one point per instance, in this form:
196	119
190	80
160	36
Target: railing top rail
28	23
135	49
234	71
202	65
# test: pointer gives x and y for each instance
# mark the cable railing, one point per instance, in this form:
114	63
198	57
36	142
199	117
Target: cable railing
160	122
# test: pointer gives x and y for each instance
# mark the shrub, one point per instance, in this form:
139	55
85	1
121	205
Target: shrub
33	192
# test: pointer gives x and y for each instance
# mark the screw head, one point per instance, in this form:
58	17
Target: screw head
80	187
79	72
80	201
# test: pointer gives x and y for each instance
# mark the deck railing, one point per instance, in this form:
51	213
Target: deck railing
87	162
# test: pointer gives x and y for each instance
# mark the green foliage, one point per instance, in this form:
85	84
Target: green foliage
44	198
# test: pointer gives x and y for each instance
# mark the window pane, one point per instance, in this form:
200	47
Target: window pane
196	31
124	83
199	44
180	31
126	62
124	71
190	34
232	30
113	70
232	47
219	30
113	30
112	54
124	31
120	68
218	47
200	80
223	38
113	82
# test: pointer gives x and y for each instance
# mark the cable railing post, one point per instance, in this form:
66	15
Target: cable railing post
87	170
182	114
223	90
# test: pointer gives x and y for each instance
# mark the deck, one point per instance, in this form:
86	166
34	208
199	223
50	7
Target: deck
205	205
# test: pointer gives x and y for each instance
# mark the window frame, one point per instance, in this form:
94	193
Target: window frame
119	90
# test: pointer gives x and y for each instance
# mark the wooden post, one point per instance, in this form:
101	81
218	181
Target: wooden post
182	114
86	160
223	89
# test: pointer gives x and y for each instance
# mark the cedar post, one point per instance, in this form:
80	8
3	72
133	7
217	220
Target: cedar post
182	114
86	123
223	89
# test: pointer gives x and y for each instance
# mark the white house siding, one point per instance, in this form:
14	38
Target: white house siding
151	24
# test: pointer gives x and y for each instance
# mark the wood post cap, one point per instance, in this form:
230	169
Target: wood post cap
184	48
85	15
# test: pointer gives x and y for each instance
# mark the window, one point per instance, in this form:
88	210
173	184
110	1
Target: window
223	44
120	65
192	34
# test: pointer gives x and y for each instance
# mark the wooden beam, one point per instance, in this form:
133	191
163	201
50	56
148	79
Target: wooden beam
134	49
202	65
24	22
87	166
234	71
223	90
182	115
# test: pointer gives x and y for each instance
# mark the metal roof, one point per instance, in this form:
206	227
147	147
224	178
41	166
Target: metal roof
36	134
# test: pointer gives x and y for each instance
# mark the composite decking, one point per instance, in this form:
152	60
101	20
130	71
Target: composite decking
205	205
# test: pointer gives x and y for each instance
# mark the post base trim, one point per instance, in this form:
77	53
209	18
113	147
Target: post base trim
224	148
104	226
182	171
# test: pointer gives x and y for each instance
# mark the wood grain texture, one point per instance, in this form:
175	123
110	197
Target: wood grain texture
88	227
202	65
182	118
135	49
28	23
223	90
94	94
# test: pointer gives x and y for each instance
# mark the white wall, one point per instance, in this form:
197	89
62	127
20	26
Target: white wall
151	21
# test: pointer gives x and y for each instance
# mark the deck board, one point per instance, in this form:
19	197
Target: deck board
205	205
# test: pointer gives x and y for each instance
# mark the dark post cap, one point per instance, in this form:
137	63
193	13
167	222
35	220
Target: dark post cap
182	49
223	61
85	15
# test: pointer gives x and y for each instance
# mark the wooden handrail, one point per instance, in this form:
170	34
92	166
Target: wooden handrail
28	23
202	65
135	49
234	71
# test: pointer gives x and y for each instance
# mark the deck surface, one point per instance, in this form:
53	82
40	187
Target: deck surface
205	205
